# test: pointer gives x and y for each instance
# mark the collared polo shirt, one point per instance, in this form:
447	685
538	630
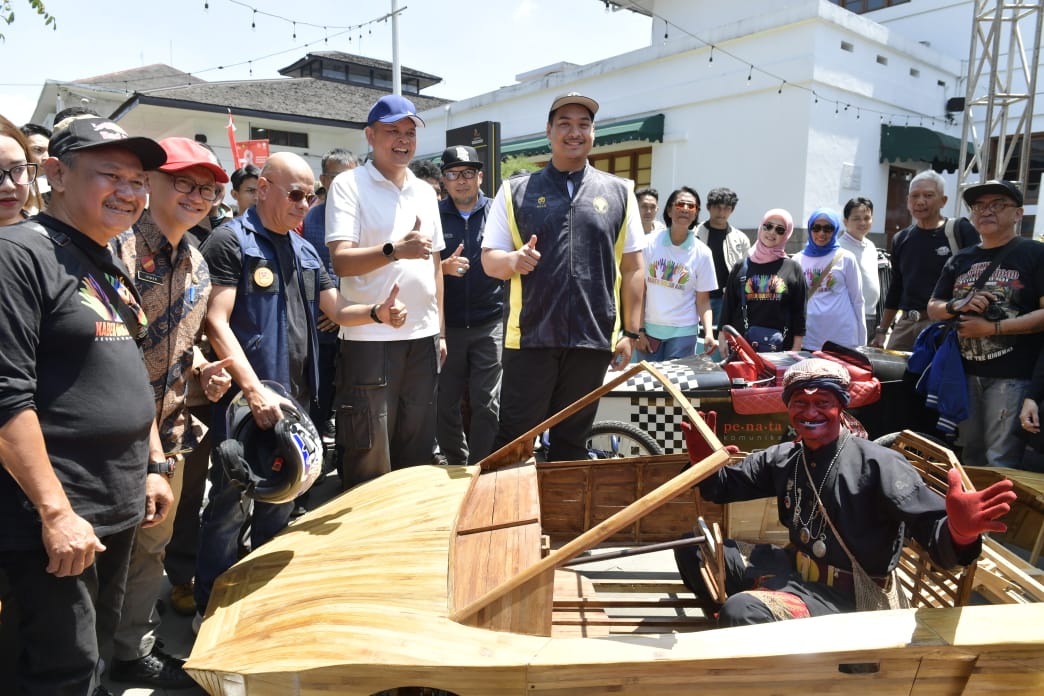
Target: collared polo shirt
366	208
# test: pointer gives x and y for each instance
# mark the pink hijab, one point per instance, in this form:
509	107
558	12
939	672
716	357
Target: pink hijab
763	254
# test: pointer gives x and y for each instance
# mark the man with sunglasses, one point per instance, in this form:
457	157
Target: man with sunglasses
474	305
269	286
569	239
999	321
174	283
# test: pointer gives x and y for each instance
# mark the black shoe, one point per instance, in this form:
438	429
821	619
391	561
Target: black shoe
157	670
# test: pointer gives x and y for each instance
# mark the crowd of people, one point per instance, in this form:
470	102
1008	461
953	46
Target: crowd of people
399	307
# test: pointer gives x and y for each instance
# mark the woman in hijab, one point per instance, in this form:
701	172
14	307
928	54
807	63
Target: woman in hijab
835	306
765	295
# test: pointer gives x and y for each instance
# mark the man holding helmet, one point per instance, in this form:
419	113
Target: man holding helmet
268	288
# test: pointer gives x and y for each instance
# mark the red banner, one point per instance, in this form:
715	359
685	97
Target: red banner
253	152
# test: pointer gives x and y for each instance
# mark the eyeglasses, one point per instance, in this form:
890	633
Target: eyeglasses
296	195
21	174
823	228
685	205
778	229
183	184
468	173
977	208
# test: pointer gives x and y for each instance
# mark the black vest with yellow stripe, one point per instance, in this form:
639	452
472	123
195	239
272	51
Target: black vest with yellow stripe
571	299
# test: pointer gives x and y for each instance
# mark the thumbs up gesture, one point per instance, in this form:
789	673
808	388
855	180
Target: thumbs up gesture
455	264
414	245
526	259
391	311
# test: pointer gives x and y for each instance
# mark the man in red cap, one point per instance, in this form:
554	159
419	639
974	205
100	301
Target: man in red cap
76	409
174	283
871	494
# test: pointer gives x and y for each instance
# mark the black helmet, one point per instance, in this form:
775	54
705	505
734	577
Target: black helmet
276	465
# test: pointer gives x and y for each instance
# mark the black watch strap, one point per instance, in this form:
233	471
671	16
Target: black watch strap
373	315
166	467
630	334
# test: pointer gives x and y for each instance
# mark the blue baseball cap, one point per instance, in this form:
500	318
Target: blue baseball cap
392	108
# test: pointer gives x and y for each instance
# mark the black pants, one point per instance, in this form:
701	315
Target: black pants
180	558
540	382
63	623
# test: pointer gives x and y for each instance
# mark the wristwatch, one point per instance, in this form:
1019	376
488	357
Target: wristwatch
167	467
950	309
373	315
389	250
630	334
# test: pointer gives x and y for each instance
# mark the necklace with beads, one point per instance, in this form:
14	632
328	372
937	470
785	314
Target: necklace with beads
804	527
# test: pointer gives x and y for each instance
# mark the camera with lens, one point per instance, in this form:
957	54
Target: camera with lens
994	312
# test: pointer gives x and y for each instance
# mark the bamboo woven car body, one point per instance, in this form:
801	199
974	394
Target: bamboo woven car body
454	579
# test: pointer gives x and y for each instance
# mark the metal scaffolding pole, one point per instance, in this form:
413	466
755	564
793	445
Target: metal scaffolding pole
1002	80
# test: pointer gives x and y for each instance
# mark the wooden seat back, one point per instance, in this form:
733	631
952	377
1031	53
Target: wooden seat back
926	583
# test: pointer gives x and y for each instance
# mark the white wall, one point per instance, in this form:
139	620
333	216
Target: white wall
774	149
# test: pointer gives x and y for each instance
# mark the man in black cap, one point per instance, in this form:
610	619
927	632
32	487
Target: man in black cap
830	483
569	239
81	455
995	290
474	305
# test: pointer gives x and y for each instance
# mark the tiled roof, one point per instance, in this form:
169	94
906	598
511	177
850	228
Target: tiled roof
300	96
359	60
141	79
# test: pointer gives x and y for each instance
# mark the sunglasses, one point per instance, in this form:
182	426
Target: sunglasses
778	229
296	195
823	228
685	205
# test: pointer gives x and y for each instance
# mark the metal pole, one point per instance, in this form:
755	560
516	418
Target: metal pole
635	551
396	71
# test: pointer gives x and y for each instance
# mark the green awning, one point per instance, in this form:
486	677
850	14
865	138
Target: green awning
921	144
648	129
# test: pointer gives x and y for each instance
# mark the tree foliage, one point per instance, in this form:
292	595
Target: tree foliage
510	165
8	16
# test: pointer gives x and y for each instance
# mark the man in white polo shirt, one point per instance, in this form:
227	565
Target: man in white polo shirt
383	227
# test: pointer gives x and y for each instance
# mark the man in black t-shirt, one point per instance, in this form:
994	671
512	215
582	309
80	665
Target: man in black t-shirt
268	287
918	254
78	442
999	323
728	245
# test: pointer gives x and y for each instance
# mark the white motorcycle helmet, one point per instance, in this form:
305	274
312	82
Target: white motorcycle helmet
275	465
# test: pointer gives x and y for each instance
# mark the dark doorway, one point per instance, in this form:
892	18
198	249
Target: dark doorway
896	214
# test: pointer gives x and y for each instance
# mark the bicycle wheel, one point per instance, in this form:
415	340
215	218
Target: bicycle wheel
615	439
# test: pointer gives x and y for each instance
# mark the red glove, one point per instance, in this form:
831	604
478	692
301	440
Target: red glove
700	449
971	514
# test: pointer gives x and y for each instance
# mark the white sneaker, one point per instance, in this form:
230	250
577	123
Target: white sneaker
197	621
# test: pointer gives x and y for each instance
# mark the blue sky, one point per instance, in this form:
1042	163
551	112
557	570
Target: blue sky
475	45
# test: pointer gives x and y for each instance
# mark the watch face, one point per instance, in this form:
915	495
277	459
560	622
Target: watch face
388	249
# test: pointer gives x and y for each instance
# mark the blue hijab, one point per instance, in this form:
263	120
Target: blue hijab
813	249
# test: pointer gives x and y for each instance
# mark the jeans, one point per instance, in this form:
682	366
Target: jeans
472	364
223	519
63	623
671	348
987	435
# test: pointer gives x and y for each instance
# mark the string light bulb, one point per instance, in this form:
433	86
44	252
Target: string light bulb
750	73
295	31
253	22
780	90
711	59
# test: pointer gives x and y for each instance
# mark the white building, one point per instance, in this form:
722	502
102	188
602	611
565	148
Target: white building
804	103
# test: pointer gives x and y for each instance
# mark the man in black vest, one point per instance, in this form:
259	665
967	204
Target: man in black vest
570	243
